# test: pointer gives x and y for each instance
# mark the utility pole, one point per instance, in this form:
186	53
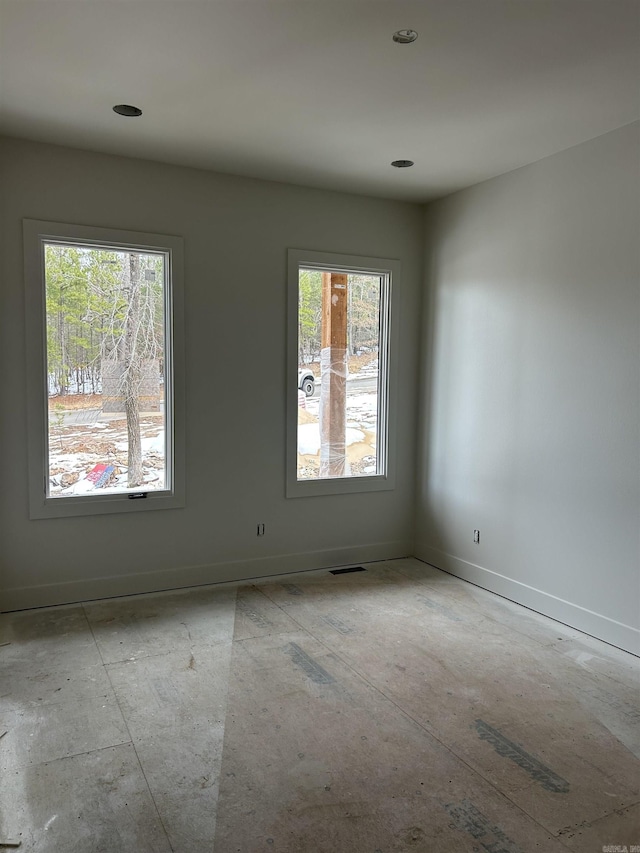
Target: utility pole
334	368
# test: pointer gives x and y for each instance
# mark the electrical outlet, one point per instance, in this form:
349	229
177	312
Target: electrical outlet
261	530
476	537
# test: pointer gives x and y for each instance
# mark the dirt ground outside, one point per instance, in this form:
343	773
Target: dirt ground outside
95	439
361	435
76	450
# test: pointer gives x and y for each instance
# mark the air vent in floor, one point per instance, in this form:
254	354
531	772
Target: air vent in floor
346	571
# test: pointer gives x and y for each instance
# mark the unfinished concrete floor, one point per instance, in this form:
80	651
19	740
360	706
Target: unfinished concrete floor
395	709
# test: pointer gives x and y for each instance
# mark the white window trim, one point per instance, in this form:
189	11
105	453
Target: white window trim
386	442
36	233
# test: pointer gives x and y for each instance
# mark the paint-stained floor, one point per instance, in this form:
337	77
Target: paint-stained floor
396	709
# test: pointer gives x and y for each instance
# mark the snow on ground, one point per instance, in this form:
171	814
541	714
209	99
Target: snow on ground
154	444
309	438
360	406
75	450
362	416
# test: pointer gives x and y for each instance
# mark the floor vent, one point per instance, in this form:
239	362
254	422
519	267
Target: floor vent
346	571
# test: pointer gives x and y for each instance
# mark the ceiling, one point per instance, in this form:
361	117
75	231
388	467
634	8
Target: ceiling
316	92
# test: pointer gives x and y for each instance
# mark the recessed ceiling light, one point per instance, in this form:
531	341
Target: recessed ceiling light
402	164
405	36
127	110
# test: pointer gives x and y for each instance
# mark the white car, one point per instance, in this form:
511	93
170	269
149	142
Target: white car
306	382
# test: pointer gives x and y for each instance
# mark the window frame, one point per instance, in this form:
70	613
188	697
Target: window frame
36	233
387	384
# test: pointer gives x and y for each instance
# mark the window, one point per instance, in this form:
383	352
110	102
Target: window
340	395
104	317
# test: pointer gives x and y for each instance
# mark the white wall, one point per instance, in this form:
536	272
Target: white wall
236	235
530	418
530	415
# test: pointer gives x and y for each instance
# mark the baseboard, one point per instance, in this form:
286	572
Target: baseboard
616	633
69	592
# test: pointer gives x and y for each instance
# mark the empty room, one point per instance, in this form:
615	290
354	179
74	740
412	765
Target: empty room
320	426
